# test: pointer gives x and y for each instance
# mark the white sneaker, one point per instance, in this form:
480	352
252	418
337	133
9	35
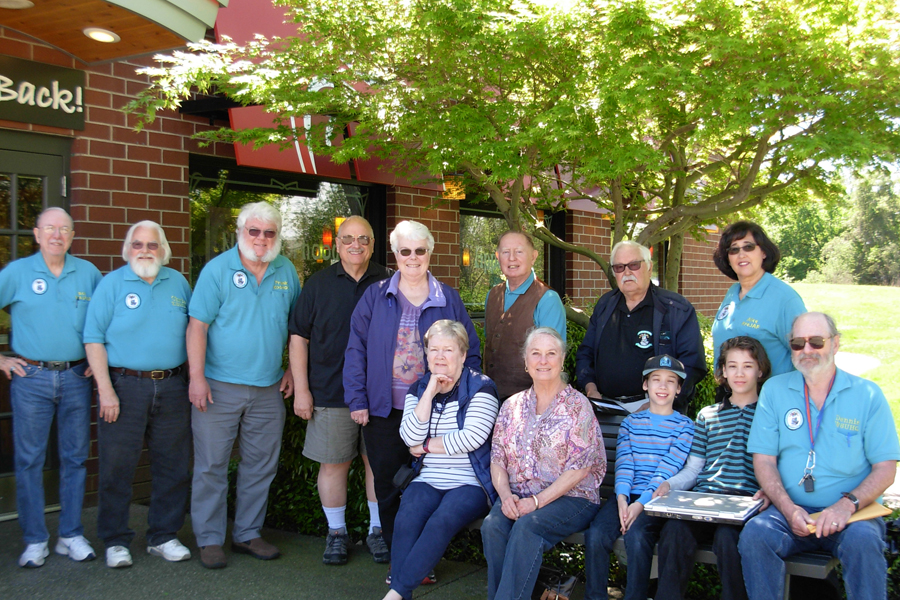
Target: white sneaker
77	548
172	551
34	555
118	556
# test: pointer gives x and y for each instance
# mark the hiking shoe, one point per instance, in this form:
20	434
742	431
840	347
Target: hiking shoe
336	547
34	555
379	550
213	557
77	548
118	557
257	548
172	551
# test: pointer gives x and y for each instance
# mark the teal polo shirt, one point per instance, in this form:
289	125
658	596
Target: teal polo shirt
141	324
47	311
549	311
765	313
857	431
248	323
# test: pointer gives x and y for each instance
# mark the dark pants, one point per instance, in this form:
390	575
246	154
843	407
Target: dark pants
677	545
387	452
161	411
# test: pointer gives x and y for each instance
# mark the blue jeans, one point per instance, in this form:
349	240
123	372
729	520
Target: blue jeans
639	542
514	549
160	411
767	540
35	399
428	518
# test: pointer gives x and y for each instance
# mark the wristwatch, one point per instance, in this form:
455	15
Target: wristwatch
852	499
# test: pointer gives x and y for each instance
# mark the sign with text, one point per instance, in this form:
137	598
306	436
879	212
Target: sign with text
42	94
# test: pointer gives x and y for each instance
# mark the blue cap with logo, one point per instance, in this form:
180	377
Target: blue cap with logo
664	362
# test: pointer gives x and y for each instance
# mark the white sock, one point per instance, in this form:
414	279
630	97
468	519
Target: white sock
336	517
374	517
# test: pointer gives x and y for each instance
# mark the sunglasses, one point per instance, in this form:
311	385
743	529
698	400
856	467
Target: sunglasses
748	247
150	245
418	251
632	266
349	239
254	232
817	342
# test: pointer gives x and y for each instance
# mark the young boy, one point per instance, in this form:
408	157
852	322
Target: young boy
652	447
719	463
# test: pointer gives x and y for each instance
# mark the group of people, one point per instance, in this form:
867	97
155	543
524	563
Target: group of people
386	365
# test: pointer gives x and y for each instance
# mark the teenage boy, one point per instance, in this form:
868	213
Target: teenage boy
720	464
652	447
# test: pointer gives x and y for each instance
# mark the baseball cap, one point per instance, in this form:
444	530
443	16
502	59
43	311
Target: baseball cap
664	362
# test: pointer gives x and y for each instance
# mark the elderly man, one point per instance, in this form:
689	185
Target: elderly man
320	328
632	324
134	339
235	339
48	295
823	441
514	307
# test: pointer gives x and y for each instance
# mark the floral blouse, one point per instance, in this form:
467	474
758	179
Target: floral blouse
536	449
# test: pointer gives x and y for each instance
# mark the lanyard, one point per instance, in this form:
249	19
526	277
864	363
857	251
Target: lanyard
812	436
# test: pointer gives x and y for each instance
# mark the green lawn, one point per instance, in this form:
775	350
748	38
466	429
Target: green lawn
868	318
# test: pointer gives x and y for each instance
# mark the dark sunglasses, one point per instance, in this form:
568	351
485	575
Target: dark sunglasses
254	232
140	245
349	239
408	251
817	342
632	266
748	247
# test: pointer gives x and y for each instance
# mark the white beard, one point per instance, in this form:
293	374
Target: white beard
145	270
248	253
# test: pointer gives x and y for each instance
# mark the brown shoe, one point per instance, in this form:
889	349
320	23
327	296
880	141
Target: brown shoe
213	557
257	548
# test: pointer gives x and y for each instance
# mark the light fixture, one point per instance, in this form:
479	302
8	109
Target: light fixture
16	4
101	35
466	257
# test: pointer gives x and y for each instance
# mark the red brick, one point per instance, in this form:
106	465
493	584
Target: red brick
173	219
175	158
78	180
104	248
97	197
144	153
166	172
133	88
79	245
136	214
130	168
177	126
13	125
149	186
175	188
15	48
105	83
164	140
120	231
108	149
78	213
96	131
90	164
171	203
124	70
129	136
131	200
106	214
53	130
93	229
107	182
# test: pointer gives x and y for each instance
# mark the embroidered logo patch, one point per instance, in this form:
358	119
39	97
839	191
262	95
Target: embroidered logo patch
793	419
132	301
39	286
644	338
240	280
724	312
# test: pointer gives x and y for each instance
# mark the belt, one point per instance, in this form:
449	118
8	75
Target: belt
157	374
54	365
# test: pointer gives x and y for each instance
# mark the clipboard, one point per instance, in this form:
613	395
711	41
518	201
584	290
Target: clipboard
872	511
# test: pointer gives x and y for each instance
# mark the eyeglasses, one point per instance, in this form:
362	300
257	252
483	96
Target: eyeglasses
50	229
418	251
632	266
817	342
254	232
748	247
349	239
150	245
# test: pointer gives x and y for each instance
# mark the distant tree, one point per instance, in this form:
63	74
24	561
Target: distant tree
876	231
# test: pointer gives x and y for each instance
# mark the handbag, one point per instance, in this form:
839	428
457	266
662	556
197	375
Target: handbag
406	473
553	584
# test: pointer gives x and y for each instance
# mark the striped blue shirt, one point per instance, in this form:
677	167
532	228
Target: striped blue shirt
720	439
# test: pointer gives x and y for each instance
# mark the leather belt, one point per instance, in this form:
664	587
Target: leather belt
54	365
156	374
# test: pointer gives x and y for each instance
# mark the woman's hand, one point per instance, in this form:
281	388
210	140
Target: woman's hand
662	490
526	505
444	383
631	514
622	502
510	507
417	450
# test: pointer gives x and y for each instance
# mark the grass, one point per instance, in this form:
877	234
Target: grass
868	318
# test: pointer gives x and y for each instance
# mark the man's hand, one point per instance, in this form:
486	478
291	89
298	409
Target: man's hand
303	404
12	364
766	502
199	393
287	384
360	416
109	405
510	507
833	519
591	391
799	520
631	514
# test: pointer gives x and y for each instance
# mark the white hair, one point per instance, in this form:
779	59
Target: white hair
160	234
411	230
645	252
54	209
263	211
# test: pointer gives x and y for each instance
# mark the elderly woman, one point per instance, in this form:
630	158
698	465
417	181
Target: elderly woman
759	305
385	355
447	422
547	462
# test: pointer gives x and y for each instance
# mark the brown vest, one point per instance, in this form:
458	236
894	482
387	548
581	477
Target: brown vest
504	336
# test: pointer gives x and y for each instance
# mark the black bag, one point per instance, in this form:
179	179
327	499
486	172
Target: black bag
407	473
553	584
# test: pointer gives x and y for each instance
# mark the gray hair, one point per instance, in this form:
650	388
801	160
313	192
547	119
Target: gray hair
536	331
645	252
160	234
411	230
451	329
829	322
50	209
356	219
263	211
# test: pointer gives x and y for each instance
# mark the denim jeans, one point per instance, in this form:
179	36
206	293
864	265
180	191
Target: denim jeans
677	545
514	549
160	411
767	540
639	542
428	518
35	399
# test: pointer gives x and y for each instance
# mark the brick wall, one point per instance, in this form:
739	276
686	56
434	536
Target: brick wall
700	280
586	280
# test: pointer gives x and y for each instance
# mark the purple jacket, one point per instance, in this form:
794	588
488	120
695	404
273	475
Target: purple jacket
369	360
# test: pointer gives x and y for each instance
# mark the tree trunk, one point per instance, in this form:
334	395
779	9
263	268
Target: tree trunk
673	262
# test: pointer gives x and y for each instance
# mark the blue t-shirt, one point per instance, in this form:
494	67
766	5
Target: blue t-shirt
142	325
857	431
248	323
549	311
765	313
47	311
